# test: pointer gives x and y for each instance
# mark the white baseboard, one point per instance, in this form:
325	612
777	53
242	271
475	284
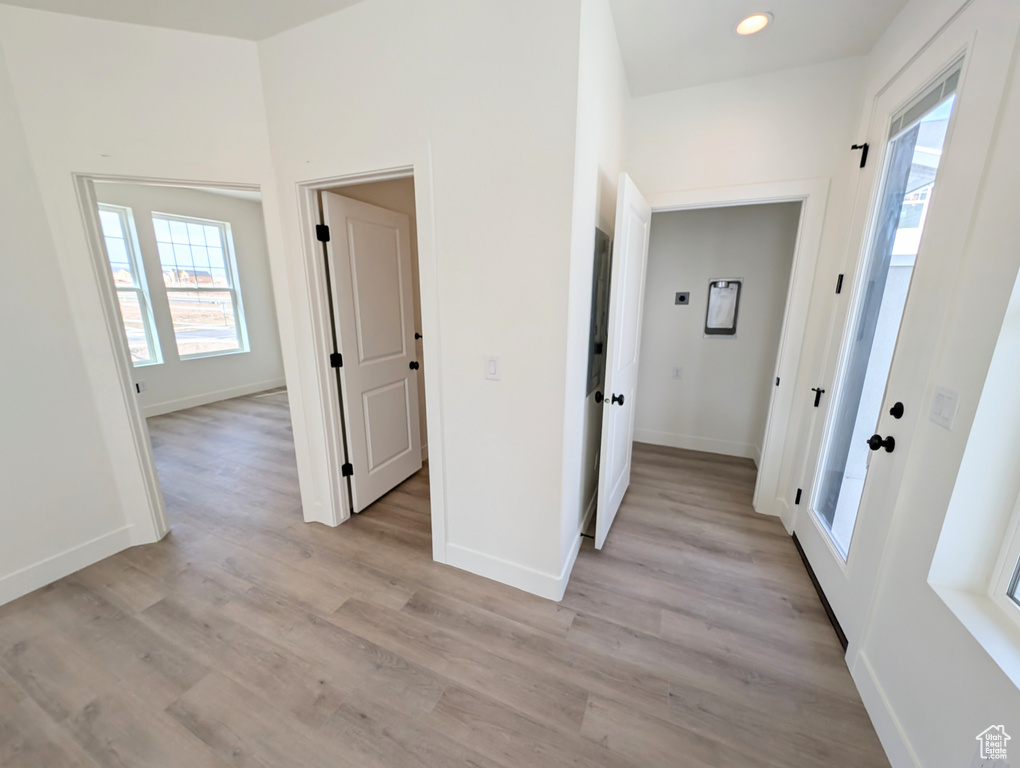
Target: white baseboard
30	578
890	732
547	585
695	443
169	406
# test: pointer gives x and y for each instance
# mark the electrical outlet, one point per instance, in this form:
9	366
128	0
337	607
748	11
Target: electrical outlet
678	373
493	369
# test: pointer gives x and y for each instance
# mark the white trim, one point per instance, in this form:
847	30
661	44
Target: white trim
547	585
696	443
782	421
891	733
32	577
326	394
193	401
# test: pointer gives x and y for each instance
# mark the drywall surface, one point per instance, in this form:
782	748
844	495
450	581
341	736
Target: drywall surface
99	97
398	195
60	508
175	384
482	101
601	100
720	402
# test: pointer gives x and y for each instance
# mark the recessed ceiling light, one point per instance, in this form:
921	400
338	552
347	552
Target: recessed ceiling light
755	23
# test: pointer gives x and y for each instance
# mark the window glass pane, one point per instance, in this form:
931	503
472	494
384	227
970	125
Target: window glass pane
212	236
204	322
179	231
120	262
134	326
162	229
110	222
1014	585
219	277
196	233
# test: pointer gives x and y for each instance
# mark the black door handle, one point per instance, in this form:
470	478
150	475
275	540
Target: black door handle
896	411
417	335
617	400
818	395
413	365
598	397
875	442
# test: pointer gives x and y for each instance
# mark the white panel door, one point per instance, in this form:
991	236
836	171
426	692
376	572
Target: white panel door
626	298
370	267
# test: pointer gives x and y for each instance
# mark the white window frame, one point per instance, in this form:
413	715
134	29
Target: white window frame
141	287
234	289
1006	577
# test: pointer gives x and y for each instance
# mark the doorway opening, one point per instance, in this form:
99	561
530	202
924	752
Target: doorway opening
369	239
193	298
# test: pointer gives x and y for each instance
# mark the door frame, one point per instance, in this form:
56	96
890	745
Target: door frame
326	389
782	421
138	481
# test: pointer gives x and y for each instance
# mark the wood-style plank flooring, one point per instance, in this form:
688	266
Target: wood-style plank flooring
247	638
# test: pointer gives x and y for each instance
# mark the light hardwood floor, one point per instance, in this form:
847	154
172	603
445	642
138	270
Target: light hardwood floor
247	638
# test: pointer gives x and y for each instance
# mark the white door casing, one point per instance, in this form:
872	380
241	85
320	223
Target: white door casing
626	300
369	261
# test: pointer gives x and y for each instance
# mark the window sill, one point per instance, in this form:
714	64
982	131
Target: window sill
989	625
227	353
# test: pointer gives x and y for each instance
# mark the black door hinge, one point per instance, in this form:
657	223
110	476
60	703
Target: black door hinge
347	469
799	492
864	152
322	233
818	395
839	284
336	360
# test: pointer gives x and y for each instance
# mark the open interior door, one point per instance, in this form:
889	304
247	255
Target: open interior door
626	299
369	261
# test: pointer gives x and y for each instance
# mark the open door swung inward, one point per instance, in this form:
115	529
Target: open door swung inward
626	300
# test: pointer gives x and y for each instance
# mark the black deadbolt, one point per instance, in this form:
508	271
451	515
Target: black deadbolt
598	397
617	400
875	442
896	411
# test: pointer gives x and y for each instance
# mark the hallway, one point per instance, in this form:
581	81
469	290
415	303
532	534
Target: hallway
248	638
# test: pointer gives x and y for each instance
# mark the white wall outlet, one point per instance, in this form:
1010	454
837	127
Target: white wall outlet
678	373
493	369
944	406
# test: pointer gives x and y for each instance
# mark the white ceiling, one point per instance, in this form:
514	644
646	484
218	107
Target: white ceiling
247	19
671	44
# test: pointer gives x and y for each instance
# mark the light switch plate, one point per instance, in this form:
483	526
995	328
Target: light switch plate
944	406
493	369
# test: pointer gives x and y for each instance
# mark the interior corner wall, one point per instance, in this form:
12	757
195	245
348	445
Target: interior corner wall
602	94
721	400
481	100
105	98
60	509
176	384
398	195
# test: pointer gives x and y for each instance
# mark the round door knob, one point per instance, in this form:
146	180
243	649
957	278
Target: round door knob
617	400
896	411
876	442
413	365
598	397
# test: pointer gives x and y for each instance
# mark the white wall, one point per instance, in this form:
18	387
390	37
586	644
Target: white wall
98	97
721	401
175	384
60	509
398	195
602	95
482	100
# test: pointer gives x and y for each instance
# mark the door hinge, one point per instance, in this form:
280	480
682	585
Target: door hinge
818	395
347	470
336	360
864	152
322	233
799	492
839	284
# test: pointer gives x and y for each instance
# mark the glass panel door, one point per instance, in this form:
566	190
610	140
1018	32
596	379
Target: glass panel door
912	161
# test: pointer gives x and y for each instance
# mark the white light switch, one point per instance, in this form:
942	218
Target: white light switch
493	370
944	406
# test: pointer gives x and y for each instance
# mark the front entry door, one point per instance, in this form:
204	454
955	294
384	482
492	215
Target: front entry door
880	368
370	268
626	298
